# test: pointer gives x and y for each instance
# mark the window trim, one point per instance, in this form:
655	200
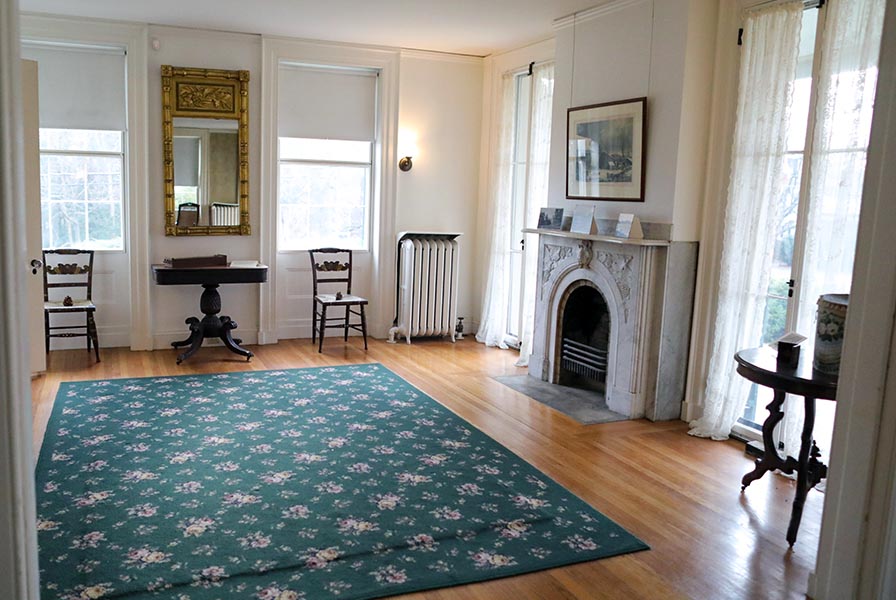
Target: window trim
368	205
122	155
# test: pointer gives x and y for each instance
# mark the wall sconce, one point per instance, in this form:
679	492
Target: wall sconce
407	149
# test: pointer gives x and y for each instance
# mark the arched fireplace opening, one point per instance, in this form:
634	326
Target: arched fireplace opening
584	339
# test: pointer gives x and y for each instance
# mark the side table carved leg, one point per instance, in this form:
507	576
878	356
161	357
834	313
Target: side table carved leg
227	325
195	339
770	460
803	483
187	341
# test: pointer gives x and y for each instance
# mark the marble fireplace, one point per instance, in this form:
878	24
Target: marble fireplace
614	315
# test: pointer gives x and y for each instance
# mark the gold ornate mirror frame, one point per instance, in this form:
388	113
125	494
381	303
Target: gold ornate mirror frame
209	94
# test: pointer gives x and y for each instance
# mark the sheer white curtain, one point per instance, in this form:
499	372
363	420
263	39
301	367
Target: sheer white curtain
847	80
493	325
768	65
493	322
537	192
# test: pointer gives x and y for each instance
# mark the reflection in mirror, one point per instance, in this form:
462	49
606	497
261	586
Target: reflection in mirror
206	170
205	132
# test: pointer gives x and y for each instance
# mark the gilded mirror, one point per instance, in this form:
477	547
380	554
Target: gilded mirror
205	135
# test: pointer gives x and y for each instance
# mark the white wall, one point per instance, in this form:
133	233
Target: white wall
170	305
622	50
440	100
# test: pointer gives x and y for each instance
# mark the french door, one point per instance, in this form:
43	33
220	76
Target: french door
519	208
794	281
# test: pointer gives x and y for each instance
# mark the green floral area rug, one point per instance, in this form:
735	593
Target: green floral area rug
341	482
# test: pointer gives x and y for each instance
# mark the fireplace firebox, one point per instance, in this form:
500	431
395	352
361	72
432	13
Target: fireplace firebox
584	338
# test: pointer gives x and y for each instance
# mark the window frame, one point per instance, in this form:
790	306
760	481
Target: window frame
122	156
369	191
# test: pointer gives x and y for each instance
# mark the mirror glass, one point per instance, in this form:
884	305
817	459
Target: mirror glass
205	122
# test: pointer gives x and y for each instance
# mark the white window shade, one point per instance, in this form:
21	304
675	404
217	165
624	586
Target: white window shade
186	163
326	103
80	88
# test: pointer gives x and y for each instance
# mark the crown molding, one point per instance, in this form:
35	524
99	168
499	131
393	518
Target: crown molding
441	56
605	8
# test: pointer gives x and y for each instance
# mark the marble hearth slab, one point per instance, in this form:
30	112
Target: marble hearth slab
585	406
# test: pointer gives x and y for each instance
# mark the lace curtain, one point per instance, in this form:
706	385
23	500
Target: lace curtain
847	80
768	65
537	191
493	325
493	322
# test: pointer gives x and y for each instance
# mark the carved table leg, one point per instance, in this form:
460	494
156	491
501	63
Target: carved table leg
227	325
803	482
770	460
187	341
195	339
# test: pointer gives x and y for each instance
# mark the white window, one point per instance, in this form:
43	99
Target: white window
326	128
83	122
81	188
324	193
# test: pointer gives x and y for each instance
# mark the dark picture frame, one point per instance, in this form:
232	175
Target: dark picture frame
606	151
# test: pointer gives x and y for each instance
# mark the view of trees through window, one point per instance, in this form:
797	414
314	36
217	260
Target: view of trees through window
324	194
81	188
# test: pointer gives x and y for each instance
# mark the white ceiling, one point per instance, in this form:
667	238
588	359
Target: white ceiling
477	27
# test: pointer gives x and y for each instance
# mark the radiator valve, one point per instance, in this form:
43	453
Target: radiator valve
459	329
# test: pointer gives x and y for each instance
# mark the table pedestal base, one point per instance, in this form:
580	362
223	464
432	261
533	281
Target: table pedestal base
210	326
808	468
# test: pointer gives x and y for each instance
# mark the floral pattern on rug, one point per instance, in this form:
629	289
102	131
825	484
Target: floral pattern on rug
337	482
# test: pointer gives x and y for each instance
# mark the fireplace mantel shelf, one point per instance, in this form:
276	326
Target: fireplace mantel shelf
597	238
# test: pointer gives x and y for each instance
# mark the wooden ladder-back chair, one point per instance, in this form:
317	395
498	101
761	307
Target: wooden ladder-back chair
335	272
64	269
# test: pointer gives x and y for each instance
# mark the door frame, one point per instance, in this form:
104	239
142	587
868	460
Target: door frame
18	536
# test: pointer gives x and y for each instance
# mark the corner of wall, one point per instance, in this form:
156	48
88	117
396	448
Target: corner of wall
693	136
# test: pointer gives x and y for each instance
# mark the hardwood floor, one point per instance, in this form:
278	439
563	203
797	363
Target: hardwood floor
679	494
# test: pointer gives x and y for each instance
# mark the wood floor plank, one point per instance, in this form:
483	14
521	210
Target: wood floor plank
679	494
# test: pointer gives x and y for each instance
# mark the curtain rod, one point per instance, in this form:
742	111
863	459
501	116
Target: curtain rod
526	69
806	4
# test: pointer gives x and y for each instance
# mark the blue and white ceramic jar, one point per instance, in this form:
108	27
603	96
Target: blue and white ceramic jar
829	332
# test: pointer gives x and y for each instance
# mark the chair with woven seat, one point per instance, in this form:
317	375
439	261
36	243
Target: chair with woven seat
335	270
65	269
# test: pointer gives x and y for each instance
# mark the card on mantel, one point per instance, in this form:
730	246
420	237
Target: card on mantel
628	226
583	220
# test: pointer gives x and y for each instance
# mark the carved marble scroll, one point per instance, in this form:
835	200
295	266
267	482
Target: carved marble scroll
619	266
553	256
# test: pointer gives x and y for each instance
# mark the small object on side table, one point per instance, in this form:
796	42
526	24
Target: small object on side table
197	262
789	349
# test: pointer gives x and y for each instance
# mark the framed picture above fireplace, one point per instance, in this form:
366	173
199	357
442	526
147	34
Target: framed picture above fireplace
605	151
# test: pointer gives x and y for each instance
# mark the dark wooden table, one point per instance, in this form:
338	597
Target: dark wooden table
211	324
759	365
